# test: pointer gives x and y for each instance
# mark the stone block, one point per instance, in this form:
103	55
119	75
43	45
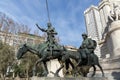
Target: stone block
72	78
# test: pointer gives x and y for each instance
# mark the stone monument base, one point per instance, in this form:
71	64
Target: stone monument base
111	67
65	78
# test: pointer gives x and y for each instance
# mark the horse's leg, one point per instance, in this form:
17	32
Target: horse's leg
61	60
67	66
101	69
67	62
58	70
46	69
34	68
71	64
78	60
94	68
78	63
76	73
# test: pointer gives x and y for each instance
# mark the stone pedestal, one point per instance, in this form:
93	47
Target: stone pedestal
111	68
114	32
53	65
72	78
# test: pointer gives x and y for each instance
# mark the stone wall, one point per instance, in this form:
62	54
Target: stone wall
57	78
111	68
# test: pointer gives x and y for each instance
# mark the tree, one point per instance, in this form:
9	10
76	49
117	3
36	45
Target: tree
8	25
25	68
7	55
36	32
24	29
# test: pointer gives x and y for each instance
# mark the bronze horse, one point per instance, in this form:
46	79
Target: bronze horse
83	62
44	55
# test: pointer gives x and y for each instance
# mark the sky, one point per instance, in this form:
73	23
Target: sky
67	16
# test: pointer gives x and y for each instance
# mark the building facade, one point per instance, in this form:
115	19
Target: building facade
98	28
97	25
20	38
92	20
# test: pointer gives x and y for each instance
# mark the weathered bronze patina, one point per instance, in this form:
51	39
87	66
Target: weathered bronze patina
50	49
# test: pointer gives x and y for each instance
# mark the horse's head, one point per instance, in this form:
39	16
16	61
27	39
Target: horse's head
21	51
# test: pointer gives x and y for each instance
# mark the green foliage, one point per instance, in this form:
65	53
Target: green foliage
7	55
26	65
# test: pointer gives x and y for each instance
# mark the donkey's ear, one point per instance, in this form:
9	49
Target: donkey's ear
24	45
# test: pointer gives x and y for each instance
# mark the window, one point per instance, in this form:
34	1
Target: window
14	42
30	41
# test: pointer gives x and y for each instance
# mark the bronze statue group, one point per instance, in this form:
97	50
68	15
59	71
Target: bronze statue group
51	49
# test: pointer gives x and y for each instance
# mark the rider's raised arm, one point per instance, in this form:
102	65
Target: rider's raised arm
41	28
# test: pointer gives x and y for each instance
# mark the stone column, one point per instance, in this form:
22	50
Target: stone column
114	33
53	65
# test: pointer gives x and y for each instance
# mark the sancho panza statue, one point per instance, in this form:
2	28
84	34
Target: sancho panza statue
88	46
